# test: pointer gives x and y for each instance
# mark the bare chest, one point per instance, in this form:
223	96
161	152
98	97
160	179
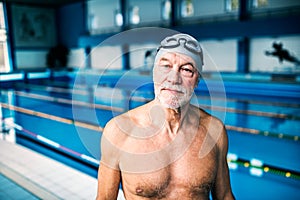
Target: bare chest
188	176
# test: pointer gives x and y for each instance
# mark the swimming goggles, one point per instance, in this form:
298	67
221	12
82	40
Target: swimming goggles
188	44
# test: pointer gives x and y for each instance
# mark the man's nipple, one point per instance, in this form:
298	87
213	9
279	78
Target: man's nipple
139	190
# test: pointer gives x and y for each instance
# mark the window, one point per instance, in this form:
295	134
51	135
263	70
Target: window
134	15
103	16
4	59
187	8
280	54
216	8
272	6
144	12
232	5
166	9
260	3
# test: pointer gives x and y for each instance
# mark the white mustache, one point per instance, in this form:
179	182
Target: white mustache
170	86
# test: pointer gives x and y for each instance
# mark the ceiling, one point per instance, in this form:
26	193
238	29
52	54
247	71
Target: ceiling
44	2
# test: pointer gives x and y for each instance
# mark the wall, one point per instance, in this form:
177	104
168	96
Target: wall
106	57
219	38
76	58
71	25
30	59
220	55
137	55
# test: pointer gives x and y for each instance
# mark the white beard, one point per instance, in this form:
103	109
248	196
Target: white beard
171	100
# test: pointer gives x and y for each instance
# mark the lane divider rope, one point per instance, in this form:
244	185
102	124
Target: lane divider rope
52	143
77	91
287	173
52	117
239	161
264	133
68	101
233	110
99	128
142	99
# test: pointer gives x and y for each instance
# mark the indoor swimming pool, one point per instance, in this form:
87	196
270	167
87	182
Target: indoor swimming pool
64	119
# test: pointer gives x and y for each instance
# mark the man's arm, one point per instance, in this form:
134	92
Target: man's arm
222	189
108	183
109	175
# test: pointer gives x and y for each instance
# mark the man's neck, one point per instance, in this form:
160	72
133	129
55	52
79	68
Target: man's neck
174	118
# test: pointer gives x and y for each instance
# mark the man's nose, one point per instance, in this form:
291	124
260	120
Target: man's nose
174	77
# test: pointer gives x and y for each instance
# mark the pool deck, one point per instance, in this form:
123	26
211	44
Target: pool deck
43	177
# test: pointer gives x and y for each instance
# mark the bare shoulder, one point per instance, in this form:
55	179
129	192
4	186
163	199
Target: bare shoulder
117	137
117	128
114	128
206	119
112	140
215	128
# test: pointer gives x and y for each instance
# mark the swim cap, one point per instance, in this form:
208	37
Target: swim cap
184	44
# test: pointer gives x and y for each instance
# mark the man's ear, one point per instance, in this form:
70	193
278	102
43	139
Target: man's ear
198	80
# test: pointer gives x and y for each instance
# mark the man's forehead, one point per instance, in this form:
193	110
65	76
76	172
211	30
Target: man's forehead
174	56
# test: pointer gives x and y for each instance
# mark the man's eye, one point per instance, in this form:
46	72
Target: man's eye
166	66
186	70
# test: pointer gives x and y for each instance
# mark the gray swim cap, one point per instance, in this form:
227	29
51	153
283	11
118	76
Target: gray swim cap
184	44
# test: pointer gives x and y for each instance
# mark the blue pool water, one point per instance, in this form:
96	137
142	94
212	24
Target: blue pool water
279	117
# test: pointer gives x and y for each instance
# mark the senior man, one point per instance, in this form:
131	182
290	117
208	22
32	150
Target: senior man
167	148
